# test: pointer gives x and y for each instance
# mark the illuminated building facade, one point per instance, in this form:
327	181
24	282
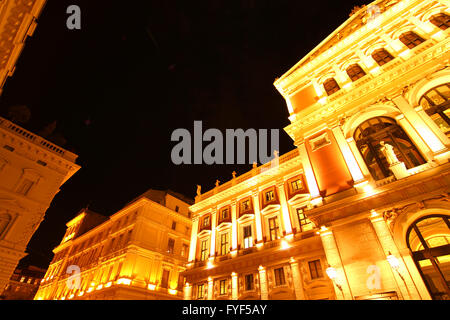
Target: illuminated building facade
359	210
135	254
17	22
31	172
23	283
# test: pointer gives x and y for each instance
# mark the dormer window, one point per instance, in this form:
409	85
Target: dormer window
411	39
355	72
441	20
331	86
382	56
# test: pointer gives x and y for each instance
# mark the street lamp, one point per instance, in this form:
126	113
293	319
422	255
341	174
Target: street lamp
332	274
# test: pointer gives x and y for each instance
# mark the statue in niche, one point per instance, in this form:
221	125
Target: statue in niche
389	153
199	190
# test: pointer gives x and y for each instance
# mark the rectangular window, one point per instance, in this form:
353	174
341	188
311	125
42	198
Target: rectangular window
315	269
304	223
206	221
223	287
200	291
177	208
224	244
249	285
270	195
174	225
273	228
170	245
248	239
279	277
204	250
296	185
245	205
184	250
25	187
224	214
165	278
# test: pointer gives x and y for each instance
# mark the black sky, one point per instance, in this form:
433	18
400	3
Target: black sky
137	70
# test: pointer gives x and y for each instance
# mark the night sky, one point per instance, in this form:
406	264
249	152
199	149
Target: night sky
137	70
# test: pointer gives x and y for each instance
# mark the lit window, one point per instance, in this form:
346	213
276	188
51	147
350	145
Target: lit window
165	278
245	205
223	287
382	56
184	250
206	221
331	86
304	223
441	20
248	239
315	269
224	214
436	103
200	291
22	279
204	250
296	185
170	245
411	39
355	72
279	277
249	284
224	244
273	229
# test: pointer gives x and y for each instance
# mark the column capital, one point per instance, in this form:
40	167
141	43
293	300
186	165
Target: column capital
324	231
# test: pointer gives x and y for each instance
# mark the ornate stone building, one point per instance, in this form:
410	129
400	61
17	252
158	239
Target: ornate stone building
135	254
23	283
360	209
17	22
31	172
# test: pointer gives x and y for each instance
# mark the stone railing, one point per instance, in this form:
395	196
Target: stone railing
36	140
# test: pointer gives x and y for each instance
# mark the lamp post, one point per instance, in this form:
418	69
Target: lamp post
395	264
332	274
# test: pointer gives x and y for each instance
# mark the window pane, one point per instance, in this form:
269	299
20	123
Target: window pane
434	231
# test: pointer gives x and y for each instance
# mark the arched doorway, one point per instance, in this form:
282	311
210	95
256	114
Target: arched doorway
368	136
429	241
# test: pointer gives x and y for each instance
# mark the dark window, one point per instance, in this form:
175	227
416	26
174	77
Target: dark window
382	56
411	39
223	287
174	225
315	269
369	137
331	86
165	278
206	221
170	245
304	223
436	103
429	241
177	208
224	214
441	20
279	277
355	72
273	228
269	195
249	285
25	187
248	239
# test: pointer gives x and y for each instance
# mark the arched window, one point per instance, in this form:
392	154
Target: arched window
368	137
411	39
355	72
4	222
436	103
331	86
382	56
429	241
441	20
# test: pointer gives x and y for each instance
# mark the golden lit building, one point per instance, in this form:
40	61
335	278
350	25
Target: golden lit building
360	209
135	254
31	172
23	283
17	22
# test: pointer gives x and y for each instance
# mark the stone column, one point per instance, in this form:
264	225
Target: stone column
263	283
438	132
418	141
309	173
298	280
210	289
406	285
284	208
193	244
362	164
234	286
212	247
187	292
258	223
334	260
234	229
